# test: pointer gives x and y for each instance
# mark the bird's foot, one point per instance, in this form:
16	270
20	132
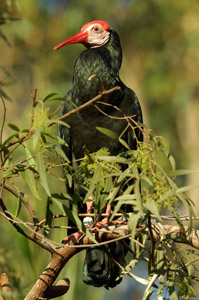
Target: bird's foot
74	237
105	221
120	222
88	222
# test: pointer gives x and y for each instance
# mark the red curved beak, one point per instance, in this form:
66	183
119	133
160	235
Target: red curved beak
81	37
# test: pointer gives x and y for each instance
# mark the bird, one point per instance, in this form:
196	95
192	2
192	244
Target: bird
95	70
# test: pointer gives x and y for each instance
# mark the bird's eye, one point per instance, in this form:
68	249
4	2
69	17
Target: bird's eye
96	28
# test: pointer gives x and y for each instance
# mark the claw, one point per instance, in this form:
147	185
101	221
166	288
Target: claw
74	237
105	221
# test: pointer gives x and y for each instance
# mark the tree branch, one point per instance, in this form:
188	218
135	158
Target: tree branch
26	203
104	234
20	230
5	286
88	103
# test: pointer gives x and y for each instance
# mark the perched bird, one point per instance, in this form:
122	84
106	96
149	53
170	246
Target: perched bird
95	70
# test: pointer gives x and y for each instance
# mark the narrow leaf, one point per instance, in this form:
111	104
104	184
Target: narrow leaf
124	143
108	132
29	156
42	173
181	172
49	96
153	208
96	177
187	188
31	183
36	136
13	127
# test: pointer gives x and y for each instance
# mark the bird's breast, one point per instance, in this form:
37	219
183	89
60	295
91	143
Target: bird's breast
92	74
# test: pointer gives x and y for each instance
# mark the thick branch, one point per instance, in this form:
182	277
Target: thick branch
5	286
105	234
49	275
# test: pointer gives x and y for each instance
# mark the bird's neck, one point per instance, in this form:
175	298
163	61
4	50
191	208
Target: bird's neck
103	63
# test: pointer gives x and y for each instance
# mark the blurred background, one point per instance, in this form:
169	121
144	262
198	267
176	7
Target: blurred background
160	42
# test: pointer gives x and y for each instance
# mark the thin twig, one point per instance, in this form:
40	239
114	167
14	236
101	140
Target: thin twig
109	116
21	139
3	123
26	203
152	242
88	103
34	97
20	230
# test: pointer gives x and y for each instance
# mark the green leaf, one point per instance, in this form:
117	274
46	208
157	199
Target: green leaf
36	136
4	37
108	186
61	141
172	162
58	99
153	208
187	188
132	224
124	143
96	177
49	96
60	152
49	215
29	156
108	132
138	197
148	290
171	288
116	188
10	138
42	173
58	204
13	127
63	123
138	279
25	130
31	183
5	149
123	201
69	180
147	180
182	172
18	208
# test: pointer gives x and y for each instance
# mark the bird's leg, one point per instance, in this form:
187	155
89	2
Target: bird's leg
74	237
89	206
105	220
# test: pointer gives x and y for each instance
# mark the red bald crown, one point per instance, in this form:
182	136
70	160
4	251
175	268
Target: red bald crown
105	25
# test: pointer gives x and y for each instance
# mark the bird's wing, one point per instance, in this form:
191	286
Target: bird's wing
132	108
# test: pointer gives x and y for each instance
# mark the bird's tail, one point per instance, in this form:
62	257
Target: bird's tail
100	267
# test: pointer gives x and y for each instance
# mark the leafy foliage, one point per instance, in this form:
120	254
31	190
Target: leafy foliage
143	180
